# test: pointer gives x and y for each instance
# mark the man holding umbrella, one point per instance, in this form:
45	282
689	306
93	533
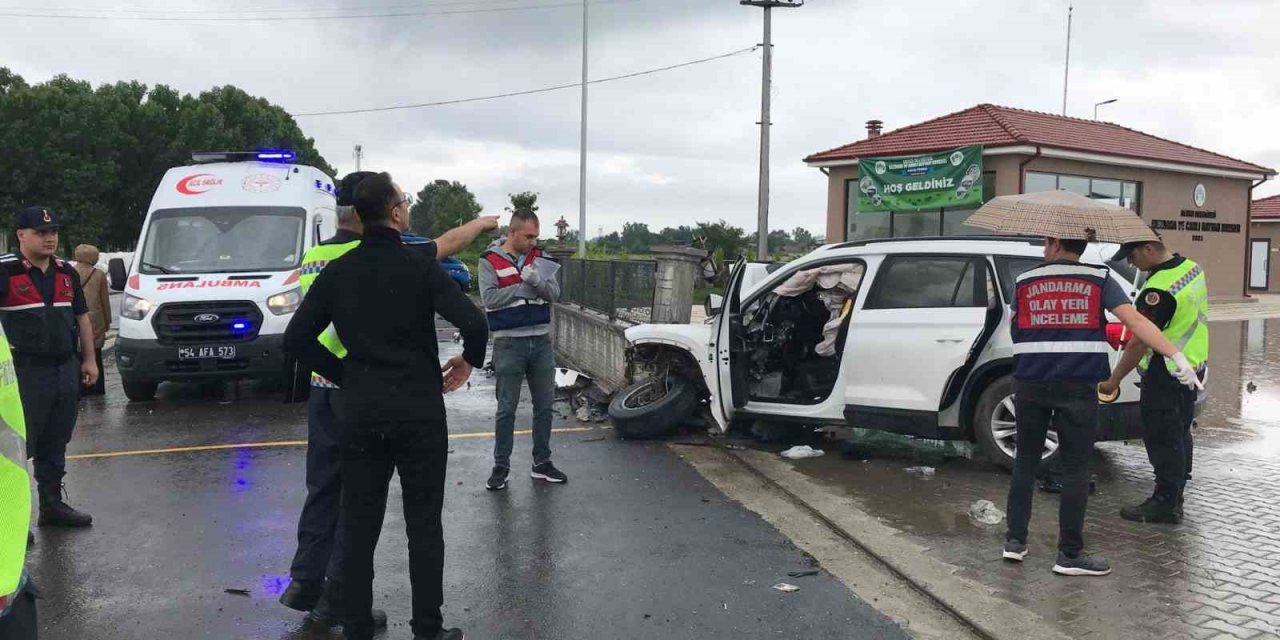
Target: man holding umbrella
1061	353
1175	298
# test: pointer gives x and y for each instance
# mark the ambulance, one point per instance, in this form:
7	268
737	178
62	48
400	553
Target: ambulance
214	279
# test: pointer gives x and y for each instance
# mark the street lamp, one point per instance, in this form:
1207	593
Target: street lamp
1095	106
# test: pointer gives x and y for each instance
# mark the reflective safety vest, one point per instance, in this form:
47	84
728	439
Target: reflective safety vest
1059	325
313	261
15	484
1188	330
32	326
522	312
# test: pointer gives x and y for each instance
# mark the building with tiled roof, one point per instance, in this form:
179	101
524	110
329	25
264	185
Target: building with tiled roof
1264	245
1197	199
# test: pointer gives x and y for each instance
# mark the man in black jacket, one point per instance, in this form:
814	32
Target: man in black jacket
382	298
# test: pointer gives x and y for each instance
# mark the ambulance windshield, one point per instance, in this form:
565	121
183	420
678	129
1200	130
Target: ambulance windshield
223	240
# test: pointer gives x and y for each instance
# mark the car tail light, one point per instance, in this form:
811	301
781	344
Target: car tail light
1117	335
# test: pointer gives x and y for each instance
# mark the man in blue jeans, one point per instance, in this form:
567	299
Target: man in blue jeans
517	299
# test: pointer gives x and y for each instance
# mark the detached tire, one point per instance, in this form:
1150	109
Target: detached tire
139	390
995	426
644	410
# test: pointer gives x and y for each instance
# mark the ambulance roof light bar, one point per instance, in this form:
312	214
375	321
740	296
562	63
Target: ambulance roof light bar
265	155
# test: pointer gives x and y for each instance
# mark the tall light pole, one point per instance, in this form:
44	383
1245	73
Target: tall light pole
762	223
1066	67
582	138
1099	104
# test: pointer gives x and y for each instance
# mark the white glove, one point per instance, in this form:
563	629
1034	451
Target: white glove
530	275
1185	374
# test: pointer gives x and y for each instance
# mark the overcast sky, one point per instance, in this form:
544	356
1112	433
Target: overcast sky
680	146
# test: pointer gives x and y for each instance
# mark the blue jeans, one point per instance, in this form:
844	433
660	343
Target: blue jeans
514	361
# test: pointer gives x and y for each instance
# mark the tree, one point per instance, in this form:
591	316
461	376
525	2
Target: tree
442	205
804	238
97	155
680	236
523	200
636	237
721	236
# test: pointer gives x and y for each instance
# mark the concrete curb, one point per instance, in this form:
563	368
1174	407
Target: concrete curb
974	602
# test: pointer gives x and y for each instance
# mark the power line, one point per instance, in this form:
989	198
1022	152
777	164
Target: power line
295	9
530	91
309	18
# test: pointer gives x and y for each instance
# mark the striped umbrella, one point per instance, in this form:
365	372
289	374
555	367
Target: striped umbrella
1062	215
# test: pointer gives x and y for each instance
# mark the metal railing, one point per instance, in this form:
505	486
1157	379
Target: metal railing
621	289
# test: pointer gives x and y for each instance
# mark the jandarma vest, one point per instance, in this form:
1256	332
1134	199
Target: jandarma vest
32	326
1059	324
521	312
1188	330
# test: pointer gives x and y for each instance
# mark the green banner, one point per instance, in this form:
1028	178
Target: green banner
910	183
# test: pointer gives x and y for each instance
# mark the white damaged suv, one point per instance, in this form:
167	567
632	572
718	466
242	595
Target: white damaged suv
909	336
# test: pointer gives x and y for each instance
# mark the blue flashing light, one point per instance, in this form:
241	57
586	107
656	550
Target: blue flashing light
240	326
276	156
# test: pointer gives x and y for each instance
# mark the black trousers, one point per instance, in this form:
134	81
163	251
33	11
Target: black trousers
419	452
1168	409
21	622
50	395
1072	408
319	532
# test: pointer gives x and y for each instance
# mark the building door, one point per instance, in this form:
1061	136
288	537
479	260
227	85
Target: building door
1259	258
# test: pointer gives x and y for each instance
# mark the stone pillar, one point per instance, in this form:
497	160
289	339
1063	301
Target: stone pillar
560	251
676	278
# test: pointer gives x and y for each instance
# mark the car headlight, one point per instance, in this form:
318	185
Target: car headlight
135	308
286	302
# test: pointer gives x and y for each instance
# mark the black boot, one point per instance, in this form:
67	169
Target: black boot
1153	510
328	611
56	513
301	595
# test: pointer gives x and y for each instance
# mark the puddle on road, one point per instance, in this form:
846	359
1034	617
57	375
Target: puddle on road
1243	409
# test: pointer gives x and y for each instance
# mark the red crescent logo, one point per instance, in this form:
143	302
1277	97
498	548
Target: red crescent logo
198	184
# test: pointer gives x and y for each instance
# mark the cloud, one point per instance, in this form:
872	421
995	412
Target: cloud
682	146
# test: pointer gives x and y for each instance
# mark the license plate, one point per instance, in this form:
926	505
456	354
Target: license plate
193	353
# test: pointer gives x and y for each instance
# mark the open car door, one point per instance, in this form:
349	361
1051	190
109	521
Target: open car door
728	349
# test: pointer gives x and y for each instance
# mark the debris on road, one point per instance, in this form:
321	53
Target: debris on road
803	574
986	512
922	471
236	592
786	588
802	451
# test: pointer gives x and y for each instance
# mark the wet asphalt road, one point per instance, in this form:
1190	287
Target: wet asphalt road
636	546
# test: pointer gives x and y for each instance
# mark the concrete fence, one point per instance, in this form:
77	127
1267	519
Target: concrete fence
592	343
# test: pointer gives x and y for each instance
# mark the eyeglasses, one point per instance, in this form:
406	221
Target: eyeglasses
406	200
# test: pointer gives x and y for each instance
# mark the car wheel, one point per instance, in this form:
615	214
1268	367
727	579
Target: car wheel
140	390
996	429
653	407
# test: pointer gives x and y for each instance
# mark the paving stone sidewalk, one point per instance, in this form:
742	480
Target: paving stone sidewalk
1215	575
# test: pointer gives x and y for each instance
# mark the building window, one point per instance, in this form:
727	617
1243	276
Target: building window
1117	192
912	224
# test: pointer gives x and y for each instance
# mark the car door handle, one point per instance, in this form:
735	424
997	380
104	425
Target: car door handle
950	340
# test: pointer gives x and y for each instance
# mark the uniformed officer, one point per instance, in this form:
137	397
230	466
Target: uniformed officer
17	593
316	572
1176	299
46	320
1060	356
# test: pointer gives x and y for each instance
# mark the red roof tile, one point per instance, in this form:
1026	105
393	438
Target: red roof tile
1266	208
995	126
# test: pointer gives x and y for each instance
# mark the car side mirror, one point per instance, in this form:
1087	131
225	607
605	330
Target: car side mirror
118	274
713	304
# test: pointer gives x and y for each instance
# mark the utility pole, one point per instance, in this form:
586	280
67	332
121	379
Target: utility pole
359	156
762	223
1066	71
582	139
